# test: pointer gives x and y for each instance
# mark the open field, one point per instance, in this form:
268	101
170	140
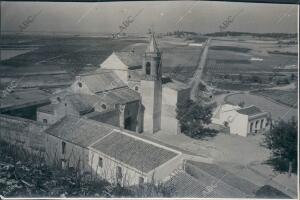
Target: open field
288	98
278	111
54	61
66	56
227	58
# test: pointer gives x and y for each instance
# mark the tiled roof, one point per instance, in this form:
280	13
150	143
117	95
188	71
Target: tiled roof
102	81
47	108
251	110
229	185
133	151
26	97
120	96
83	103
80	131
109	117
269	192
184	185
129	58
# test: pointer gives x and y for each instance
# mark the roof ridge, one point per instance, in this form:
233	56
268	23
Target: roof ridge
249	106
148	141
99	139
95	73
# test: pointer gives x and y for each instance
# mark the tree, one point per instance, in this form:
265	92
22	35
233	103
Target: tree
193	116
282	141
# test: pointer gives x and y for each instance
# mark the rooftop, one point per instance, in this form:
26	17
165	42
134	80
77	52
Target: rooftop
120	96
80	131
251	110
208	180
130	58
109	117
230	180
47	108
102	81
269	192
138	153
133	151
24	98
229	107
83	103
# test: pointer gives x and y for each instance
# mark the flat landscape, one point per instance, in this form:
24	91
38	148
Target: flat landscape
54	61
241	70
286	97
239	63
49	62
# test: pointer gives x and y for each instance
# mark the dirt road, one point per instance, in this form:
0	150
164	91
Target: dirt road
194	82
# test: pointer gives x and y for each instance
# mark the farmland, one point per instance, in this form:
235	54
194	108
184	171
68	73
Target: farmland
288	98
49	62
54	61
249	63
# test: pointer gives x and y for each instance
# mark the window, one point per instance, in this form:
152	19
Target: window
136	88
256	123
79	84
63	147
58	99
141	180
100	162
148	69
261	123
119	173
63	164
251	127
103	106
45	121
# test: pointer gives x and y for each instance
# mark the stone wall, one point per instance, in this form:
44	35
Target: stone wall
22	132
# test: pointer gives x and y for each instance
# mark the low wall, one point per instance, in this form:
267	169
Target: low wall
25	133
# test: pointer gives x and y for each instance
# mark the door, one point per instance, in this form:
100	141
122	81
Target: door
128	123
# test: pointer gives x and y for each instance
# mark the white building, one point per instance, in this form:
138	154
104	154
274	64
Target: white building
241	121
117	156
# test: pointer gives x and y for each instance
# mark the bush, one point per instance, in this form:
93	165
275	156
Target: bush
193	116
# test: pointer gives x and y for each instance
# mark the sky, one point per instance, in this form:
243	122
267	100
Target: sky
107	17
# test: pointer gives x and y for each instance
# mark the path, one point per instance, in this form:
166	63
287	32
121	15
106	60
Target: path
194	82
290	86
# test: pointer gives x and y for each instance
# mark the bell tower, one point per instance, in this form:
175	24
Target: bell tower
151	87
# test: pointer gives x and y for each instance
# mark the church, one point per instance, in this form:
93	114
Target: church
95	124
128	91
